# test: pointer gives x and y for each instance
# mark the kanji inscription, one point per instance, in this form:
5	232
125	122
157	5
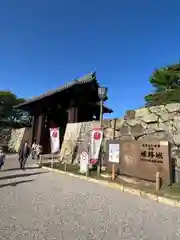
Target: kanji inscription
151	153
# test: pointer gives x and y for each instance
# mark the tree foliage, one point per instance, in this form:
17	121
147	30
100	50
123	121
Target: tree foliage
8	114
166	84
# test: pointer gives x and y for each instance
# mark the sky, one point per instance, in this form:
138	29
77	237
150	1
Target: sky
47	43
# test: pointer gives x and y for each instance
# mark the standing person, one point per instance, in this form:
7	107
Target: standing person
23	155
34	150
38	151
2	157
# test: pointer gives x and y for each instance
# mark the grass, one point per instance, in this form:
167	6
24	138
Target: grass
172	192
73	169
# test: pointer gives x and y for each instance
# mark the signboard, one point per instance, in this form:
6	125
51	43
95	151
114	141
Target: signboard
142	159
54	140
96	140
84	159
114	152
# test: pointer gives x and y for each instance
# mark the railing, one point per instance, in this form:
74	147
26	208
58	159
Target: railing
48	158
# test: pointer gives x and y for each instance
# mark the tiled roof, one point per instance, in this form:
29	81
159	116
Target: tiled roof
90	77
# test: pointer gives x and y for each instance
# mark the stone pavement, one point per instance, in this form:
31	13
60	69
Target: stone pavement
37	204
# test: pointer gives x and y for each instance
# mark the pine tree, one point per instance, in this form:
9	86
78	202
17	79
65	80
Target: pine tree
166	84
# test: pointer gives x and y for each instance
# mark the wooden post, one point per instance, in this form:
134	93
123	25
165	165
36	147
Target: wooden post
157	181
113	171
52	162
100	152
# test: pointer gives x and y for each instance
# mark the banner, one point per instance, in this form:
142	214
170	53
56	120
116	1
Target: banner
54	140
96	140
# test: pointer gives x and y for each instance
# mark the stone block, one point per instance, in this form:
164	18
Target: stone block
153	127
150	118
130	137
109	133
133	122
164	136
141	112
173	107
130	114
167	117
176	116
95	124
107	123
137	130
166	126
125	130
176	124
146	116
176	138
118	123
158	110
156	127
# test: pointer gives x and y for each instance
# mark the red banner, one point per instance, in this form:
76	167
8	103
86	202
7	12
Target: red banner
96	140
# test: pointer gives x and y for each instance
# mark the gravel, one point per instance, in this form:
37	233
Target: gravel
37	204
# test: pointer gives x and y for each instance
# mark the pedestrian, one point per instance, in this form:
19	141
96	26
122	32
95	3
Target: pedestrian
38	151
2	157
23	155
34	150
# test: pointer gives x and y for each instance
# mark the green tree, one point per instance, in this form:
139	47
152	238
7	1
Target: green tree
166	84
8	114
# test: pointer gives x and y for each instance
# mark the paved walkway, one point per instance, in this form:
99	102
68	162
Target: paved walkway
36	204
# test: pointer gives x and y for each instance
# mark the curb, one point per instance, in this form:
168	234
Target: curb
122	188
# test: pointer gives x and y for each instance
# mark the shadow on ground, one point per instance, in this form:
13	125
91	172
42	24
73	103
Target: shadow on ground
14	184
21	175
16	169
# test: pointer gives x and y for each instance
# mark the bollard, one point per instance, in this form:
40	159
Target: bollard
157	181
98	170
87	172
65	166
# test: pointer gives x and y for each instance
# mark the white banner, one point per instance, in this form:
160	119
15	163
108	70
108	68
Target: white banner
84	159
54	140
96	140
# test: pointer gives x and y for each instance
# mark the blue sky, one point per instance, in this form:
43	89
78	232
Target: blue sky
46	43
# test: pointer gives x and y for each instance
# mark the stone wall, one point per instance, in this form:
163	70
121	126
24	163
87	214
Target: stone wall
153	123
159	122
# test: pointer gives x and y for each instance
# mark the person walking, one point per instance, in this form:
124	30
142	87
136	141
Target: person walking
23	155
2	157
